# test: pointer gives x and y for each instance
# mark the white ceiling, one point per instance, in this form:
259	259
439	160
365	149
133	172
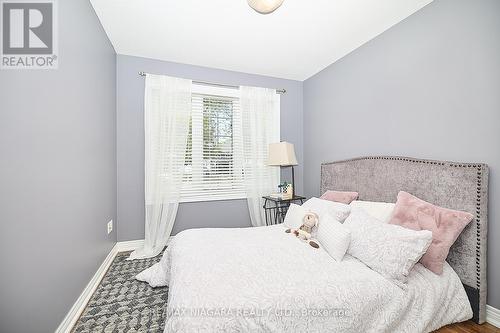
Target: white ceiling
295	42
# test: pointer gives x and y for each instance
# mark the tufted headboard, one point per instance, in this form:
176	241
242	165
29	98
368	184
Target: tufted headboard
461	186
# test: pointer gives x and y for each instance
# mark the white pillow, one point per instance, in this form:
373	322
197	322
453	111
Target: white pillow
294	217
333	236
388	249
321	207
380	210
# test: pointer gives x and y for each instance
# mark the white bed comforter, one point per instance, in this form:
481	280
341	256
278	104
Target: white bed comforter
264	280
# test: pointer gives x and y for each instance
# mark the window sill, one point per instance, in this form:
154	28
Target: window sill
214	198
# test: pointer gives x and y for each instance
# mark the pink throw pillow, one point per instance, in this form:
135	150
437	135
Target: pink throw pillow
340	196
445	224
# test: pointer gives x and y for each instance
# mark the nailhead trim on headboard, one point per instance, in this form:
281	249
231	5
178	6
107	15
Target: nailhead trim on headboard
478	227
458	165
481	171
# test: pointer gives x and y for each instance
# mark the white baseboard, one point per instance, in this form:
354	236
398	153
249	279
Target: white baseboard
493	316
77	308
134	244
130	245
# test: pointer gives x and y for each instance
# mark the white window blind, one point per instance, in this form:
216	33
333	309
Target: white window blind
213	167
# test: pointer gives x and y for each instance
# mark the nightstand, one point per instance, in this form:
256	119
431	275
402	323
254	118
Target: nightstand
275	209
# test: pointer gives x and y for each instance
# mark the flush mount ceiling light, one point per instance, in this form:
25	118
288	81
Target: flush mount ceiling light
265	6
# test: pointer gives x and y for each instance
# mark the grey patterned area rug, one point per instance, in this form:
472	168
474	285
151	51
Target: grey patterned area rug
123	304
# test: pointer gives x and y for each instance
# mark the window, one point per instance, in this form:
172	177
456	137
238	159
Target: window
213	162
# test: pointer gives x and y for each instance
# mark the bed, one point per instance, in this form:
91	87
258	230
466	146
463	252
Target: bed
263	280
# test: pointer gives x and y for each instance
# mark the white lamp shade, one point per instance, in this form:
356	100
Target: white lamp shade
265	6
282	154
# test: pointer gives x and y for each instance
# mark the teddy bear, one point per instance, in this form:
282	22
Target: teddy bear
304	233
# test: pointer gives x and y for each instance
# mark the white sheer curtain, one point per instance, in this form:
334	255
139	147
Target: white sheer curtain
167	111
260	108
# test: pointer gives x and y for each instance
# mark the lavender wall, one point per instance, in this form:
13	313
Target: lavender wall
58	174
428	87
130	143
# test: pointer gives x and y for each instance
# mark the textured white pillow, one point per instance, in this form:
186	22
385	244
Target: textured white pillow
380	210
333	236
388	249
321	207
294	217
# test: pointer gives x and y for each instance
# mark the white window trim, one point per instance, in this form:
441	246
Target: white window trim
203	89
210	198
209	90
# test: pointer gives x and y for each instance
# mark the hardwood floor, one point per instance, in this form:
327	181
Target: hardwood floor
469	327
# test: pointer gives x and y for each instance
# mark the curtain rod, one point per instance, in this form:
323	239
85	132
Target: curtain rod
278	91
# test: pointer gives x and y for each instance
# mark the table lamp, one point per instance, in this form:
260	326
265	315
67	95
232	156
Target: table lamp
283	154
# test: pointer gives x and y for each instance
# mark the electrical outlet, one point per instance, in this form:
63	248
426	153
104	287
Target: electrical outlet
110	226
